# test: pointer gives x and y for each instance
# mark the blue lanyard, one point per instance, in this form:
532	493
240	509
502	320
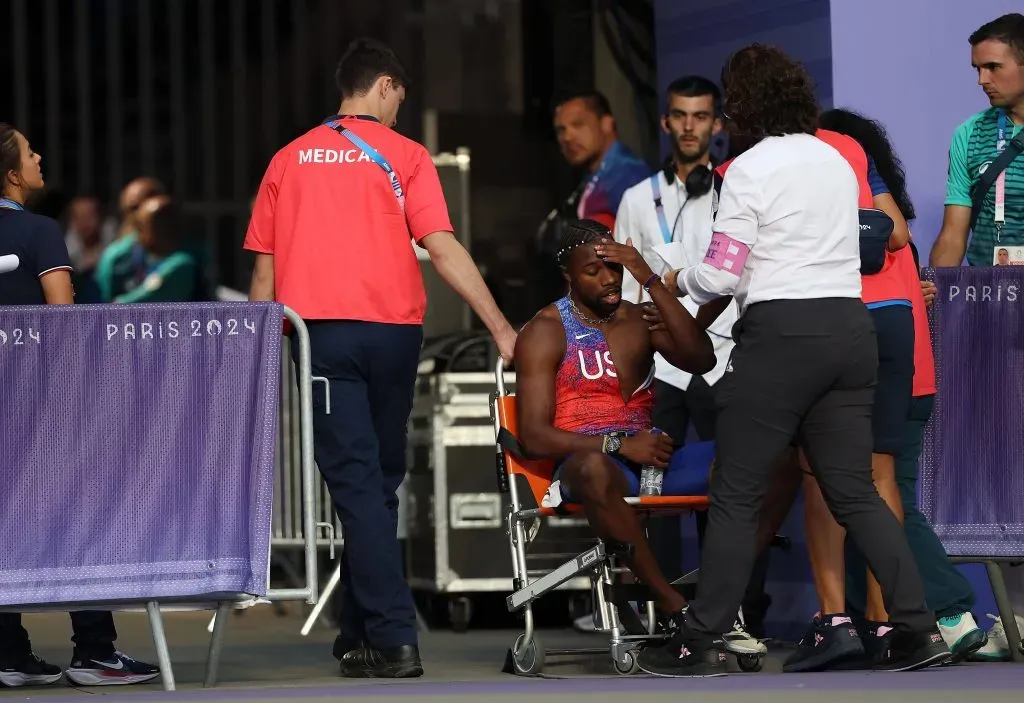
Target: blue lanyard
9	204
396	186
666	233
1001	139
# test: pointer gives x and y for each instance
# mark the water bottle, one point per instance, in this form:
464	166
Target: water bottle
651	477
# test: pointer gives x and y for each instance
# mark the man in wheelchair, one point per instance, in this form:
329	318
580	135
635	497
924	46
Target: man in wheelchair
584	382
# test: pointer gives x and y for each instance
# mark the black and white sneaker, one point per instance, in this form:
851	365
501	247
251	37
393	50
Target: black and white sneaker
28	670
116	669
739	641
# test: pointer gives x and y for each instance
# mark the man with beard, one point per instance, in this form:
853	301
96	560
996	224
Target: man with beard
584	384
589	141
669	218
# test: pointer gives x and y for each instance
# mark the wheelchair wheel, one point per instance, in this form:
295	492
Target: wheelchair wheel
627	664
750	662
529	660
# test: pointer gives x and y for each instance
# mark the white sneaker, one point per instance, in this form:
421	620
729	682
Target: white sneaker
739	641
962	635
997	648
586	623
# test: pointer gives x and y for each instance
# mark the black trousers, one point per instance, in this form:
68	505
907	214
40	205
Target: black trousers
94	634
360	450
802	371
674	411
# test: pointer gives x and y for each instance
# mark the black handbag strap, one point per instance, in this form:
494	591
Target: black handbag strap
984	183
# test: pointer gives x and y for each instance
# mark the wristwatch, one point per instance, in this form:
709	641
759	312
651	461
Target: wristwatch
611	445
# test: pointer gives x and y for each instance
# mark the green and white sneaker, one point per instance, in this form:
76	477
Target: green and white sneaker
997	649
962	635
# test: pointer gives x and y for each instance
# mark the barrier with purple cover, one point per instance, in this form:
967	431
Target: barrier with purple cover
137	447
972	464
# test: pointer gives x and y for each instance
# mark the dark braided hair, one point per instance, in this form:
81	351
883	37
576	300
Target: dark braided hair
576	233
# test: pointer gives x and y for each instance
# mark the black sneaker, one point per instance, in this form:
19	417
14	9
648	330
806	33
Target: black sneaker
685	654
876	637
28	670
877	640
115	669
829	641
369	663
908	651
679	658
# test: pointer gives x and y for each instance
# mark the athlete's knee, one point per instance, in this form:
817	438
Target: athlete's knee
589	475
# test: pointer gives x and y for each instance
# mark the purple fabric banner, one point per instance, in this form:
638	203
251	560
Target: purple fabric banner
136	450
972	482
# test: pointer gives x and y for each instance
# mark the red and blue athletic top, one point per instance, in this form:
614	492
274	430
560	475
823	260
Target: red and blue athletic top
588	399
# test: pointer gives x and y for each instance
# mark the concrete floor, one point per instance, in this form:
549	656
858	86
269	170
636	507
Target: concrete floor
265	659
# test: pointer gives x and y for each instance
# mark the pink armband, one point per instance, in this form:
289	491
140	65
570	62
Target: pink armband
727	254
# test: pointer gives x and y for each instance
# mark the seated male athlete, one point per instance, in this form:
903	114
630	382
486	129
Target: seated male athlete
584	375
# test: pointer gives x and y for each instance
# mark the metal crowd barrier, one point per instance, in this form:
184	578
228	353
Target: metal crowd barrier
301	499
290	530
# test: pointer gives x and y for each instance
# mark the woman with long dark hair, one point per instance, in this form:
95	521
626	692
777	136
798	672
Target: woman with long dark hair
786	246
948	591
35	269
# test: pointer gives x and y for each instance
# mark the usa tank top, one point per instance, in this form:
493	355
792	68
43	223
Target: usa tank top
588	399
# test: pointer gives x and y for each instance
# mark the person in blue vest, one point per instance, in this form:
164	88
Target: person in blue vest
589	142
35	269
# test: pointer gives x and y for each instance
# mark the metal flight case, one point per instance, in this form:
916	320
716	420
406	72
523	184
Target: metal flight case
456	516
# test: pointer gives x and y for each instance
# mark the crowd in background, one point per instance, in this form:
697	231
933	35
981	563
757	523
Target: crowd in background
143	253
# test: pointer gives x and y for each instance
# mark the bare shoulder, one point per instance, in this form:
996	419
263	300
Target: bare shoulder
632	313
541	336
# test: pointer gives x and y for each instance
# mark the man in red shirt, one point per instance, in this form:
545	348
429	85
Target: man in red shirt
331	228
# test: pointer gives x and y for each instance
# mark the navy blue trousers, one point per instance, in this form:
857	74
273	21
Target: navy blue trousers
360	450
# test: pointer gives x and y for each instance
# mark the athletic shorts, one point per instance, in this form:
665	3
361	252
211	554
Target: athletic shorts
686	475
894	327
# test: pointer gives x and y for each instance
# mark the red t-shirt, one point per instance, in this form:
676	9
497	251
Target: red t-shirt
924	360
887	284
341	245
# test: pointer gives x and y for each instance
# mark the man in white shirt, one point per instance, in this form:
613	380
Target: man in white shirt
669	218
786	246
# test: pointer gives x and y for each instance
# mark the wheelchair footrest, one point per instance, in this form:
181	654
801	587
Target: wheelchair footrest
535	589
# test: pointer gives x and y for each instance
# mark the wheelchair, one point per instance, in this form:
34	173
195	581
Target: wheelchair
600	562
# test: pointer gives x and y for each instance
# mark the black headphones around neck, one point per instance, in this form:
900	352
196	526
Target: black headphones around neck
698	181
